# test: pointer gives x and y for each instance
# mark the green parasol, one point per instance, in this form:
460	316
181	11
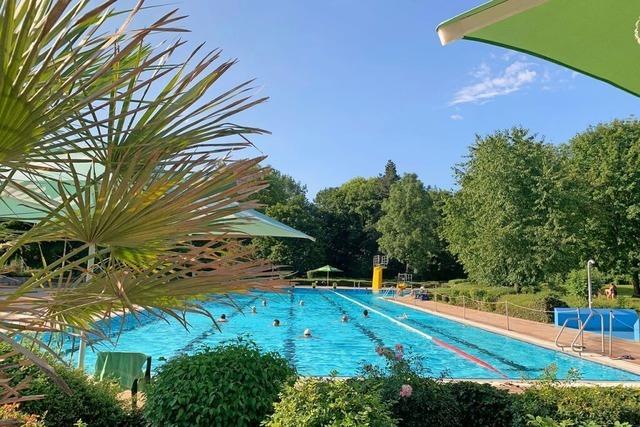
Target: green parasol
598	38
324	269
18	206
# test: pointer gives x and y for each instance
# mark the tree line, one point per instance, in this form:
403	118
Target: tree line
523	212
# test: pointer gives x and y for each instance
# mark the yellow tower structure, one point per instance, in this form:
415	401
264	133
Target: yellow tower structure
379	264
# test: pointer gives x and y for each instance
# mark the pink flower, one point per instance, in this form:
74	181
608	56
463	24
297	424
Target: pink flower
406	390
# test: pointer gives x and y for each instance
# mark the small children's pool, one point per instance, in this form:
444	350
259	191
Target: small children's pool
446	347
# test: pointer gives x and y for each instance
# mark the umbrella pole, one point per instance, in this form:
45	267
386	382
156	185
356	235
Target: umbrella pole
327	278
83	343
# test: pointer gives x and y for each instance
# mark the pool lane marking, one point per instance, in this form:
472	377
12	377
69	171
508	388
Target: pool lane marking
435	340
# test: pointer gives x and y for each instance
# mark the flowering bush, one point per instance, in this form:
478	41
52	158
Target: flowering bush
315	402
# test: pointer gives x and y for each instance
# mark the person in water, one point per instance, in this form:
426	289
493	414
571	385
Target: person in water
276	323
223	318
345	318
365	313
254	310
301	302
307	333
264	302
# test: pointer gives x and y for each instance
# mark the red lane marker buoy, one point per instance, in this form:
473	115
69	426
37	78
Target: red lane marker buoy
469	357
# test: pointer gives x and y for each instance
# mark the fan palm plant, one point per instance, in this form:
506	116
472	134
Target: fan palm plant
126	156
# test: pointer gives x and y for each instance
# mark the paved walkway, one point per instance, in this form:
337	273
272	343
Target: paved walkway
542	334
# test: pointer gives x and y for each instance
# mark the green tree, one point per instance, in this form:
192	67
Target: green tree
408	224
281	188
300	255
348	215
605	168
513	219
389	177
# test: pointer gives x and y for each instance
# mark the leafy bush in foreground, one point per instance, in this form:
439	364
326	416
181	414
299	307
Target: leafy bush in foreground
315	402
93	402
415	398
231	384
10	414
480	404
580	405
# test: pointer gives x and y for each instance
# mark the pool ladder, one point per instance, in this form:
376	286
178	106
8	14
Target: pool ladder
580	347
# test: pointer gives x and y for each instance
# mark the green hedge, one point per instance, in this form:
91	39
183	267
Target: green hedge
93	402
231	384
316	402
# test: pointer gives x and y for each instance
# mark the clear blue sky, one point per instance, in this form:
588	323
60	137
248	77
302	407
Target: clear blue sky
354	83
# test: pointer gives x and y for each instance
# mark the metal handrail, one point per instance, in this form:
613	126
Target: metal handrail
564	326
580	333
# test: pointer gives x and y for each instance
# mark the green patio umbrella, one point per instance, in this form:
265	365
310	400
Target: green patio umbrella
595	37
324	269
16	205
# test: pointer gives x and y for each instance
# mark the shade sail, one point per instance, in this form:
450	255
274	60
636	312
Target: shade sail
595	37
16	205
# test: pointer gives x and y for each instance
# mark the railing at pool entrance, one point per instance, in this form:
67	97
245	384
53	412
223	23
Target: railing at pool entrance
517	318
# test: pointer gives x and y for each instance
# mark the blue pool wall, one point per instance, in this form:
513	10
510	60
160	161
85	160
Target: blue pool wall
626	324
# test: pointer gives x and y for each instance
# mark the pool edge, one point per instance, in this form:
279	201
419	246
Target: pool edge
592	357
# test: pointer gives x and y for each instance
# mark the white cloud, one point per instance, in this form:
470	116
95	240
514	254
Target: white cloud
456	117
514	77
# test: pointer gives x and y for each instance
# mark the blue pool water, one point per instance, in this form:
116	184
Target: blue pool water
345	347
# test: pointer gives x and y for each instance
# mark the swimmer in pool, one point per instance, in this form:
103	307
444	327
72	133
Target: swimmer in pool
254	310
301	303
264	302
276	323
345	318
223	318
365	313
307	333
403	316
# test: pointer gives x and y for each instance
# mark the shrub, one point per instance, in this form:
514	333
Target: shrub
538	307
428	402
576	282
317	402
580	405
231	384
481	404
91	401
10	414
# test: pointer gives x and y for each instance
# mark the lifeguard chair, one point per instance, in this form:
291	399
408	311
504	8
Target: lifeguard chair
380	262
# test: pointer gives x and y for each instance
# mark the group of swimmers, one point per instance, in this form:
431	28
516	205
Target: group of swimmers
276	322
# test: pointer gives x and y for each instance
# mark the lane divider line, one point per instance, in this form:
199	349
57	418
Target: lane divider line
435	340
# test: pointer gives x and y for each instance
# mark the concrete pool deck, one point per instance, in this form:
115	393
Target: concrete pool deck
542	334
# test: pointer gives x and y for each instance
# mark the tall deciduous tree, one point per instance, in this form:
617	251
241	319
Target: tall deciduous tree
605	166
513	220
285	200
349	214
281	188
408	224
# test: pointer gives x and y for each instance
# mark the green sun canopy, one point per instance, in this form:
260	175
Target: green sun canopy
18	206
595	37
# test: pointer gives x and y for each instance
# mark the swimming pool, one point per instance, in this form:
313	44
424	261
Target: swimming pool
449	347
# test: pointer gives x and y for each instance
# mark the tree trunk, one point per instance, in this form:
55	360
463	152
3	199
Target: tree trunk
635	280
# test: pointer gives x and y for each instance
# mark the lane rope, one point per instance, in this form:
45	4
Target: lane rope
435	340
